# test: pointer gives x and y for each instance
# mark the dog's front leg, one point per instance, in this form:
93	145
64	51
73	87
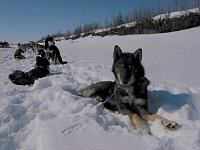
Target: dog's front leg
140	125
136	120
171	125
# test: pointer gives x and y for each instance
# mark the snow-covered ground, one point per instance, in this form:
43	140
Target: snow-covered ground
50	116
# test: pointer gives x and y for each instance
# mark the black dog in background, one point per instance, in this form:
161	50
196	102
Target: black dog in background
52	51
28	78
18	53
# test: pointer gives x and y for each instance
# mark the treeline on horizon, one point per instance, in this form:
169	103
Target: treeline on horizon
134	16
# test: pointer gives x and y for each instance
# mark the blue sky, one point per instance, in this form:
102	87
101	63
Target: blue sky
25	20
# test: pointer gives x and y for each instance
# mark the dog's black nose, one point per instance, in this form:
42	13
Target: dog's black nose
11	76
125	82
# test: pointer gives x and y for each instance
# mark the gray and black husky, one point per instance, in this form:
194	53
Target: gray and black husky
128	93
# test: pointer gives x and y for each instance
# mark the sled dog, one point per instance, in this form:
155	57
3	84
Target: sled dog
28	78
128	94
54	54
36	47
18	54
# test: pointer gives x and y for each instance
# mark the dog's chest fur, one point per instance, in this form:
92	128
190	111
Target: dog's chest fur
126	95
131	96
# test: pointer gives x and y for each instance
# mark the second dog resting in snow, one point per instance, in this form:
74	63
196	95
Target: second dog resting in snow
18	53
53	52
28	78
128	93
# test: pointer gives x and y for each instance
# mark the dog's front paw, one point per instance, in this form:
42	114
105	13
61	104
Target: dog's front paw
143	129
171	125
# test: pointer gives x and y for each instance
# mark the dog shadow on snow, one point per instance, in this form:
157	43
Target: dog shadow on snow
168	101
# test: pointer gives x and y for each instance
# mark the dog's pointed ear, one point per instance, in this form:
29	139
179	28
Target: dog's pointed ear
117	52
138	54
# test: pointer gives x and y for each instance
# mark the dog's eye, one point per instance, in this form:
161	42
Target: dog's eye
131	67
121	65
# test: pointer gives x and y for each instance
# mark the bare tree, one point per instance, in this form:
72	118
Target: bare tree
196	4
182	4
108	23
118	19
89	27
78	30
187	4
68	33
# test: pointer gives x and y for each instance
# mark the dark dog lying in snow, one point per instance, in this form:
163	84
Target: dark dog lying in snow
18	54
28	78
128	93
